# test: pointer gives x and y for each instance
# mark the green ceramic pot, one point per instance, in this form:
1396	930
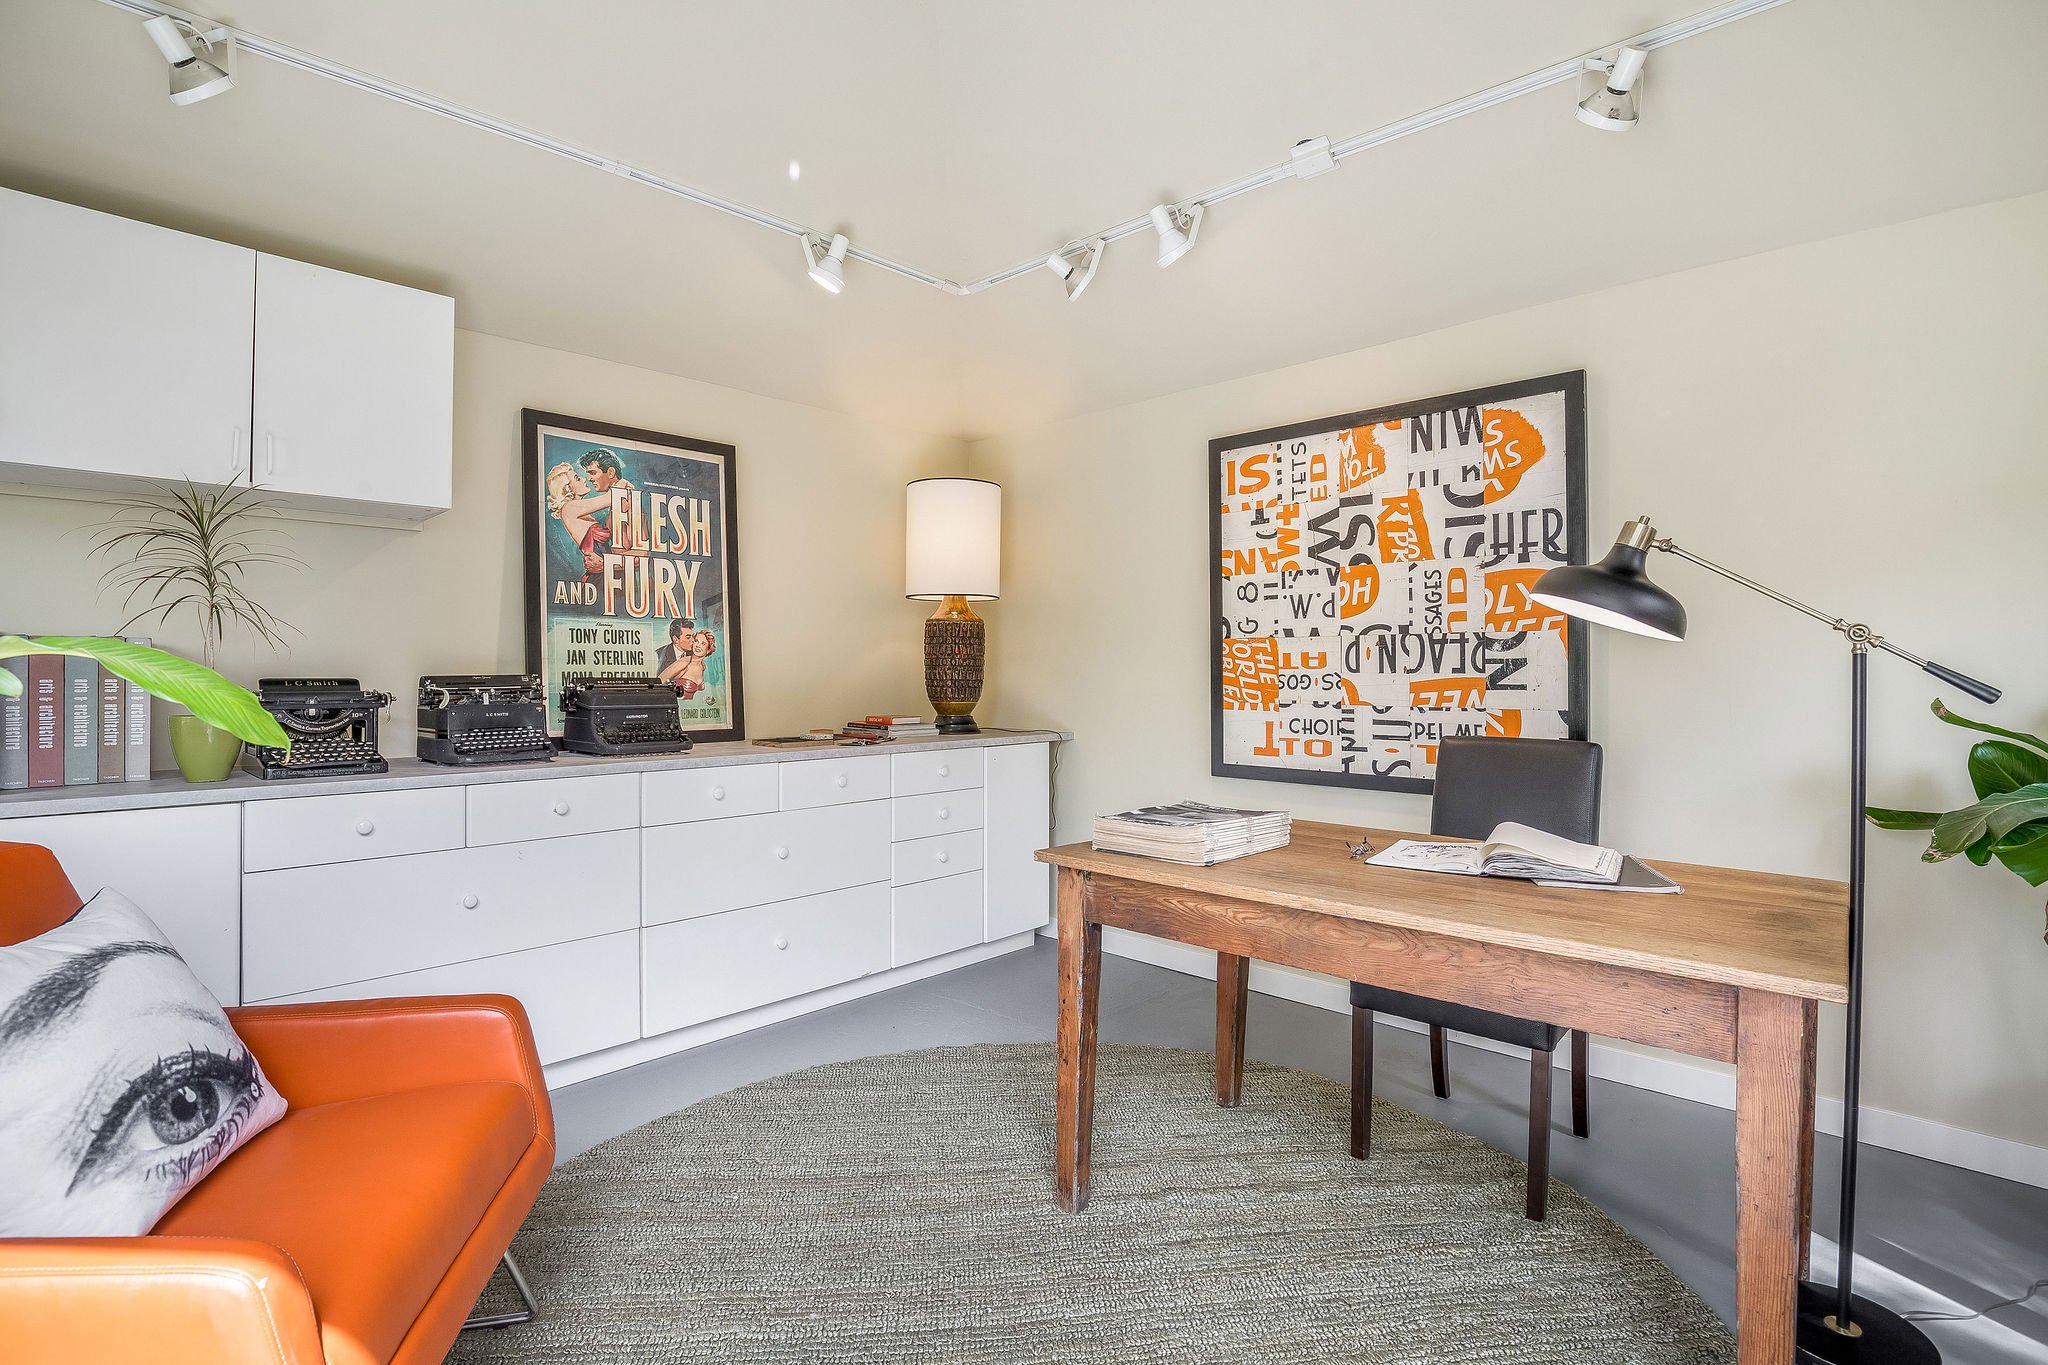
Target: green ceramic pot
204	753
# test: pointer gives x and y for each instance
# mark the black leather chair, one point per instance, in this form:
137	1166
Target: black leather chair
1552	785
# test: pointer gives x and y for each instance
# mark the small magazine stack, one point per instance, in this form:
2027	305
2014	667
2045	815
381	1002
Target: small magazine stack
1193	833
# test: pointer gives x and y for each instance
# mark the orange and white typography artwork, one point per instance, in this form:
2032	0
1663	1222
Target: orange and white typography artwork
1373	579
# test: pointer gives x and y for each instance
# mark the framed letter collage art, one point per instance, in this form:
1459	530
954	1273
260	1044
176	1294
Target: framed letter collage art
1369	584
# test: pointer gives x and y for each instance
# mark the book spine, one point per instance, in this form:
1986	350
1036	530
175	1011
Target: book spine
135	728
45	720
81	726
113	705
14	730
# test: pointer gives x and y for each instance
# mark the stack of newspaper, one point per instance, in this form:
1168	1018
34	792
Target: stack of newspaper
1192	832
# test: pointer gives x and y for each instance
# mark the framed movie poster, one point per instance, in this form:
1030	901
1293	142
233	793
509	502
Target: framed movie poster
1369	584
632	564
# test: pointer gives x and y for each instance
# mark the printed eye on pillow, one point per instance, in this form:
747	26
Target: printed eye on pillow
124	1082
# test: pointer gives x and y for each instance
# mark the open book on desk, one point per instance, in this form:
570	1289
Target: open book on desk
1528	854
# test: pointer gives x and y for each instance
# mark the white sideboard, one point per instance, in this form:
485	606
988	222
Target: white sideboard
636	906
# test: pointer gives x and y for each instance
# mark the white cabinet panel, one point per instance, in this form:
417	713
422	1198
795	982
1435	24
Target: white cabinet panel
834	781
703	968
124	348
306	928
936	917
182	866
711	866
581	997
1018	825
936	770
671	798
355	385
918	817
549	808
943	855
307	830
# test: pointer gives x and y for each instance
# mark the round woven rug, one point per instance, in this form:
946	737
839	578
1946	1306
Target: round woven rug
899	1209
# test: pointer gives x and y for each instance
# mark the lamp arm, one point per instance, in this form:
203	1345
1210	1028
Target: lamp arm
1859	636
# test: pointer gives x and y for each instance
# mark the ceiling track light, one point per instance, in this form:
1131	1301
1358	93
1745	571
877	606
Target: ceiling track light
827	261
1176	225
193	77
1075	277
1617	104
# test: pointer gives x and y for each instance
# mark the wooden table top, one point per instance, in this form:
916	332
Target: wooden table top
1761	930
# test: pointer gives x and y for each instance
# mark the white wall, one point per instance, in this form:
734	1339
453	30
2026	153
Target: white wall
1858	421
827	633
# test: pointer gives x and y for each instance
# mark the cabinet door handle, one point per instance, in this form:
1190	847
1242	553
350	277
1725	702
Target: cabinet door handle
944	813
718	793
781	943
469	901
561	807
945	771
944	856
270	452
782	852
839	781
238	459
365	827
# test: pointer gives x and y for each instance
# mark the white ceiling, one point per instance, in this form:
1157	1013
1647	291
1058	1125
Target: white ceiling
963	137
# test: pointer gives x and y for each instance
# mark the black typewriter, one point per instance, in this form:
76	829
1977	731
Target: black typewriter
621	716
475	718
332	723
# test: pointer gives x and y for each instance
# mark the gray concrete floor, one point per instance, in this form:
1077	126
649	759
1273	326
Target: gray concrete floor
1936	1237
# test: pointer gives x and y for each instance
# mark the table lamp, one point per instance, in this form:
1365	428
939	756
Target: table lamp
1836	1325
952	556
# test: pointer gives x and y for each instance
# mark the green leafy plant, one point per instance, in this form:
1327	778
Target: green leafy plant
2008	820
196	687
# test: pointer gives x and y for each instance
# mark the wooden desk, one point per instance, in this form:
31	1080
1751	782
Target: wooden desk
1731	970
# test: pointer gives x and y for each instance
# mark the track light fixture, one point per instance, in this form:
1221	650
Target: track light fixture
193	77
826	262
1176	226
1614	106
1073	277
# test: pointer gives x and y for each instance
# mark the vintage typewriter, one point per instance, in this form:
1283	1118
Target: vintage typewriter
476	718
332	723
621	716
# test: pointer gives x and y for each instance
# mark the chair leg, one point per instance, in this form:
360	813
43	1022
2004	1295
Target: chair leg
1581	1122
1439	1065
1361	1083
1537	1202
513	1319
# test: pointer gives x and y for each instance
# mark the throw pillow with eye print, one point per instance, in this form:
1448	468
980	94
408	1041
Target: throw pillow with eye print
124	1084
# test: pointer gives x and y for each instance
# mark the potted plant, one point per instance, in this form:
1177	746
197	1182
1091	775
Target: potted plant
189	549
2008	820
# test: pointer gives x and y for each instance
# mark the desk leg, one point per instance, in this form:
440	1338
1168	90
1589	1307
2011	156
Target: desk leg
1773	1118
1233	982
1806	1096
1080	987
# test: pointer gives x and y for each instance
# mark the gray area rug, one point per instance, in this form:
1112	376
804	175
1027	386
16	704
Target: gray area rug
899	1209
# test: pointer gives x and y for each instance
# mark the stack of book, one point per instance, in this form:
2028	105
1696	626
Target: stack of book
1193	833
888	727
74	723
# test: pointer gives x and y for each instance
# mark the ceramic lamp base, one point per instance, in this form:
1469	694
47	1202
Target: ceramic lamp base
955	645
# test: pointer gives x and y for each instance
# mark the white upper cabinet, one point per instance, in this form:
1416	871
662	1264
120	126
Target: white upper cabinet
355	388
124	349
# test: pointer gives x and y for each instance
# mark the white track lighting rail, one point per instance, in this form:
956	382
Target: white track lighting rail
1558	73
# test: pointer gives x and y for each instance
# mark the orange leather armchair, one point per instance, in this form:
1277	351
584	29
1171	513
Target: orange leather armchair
357	1230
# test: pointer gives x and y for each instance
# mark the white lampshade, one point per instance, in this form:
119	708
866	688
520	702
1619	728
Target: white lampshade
953	546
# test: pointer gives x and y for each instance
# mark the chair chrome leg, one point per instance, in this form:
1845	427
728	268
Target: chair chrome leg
526	1314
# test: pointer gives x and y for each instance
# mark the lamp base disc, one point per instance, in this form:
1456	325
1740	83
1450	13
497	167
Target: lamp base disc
1883	1337
958	725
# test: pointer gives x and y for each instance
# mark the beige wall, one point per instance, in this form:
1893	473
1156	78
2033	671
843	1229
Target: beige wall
1857	421
827	633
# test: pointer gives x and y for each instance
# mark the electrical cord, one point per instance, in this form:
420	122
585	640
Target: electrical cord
2032	1289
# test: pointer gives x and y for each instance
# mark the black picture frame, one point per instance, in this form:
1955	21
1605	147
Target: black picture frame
645	445
1572	385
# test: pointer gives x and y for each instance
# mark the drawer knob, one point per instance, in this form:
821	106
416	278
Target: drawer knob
365	827
839	781
469	901
782	852
718	793
781	943
945	813
944	856
945	771
561	807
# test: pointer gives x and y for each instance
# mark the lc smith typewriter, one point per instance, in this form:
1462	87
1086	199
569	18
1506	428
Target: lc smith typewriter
621	716
474	718
332	723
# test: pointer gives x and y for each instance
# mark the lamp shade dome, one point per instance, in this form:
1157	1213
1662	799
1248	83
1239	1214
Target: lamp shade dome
953	539
1615	592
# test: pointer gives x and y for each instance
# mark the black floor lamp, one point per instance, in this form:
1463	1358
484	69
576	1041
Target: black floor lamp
1835	1325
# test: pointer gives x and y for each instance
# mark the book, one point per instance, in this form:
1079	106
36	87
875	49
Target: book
81	724
45	720
14	730
1522	852
896	720
1193	832
1635	876
135	728
870	726
112	710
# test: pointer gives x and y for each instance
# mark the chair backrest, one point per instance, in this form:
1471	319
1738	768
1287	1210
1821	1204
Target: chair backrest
1550	784
35	895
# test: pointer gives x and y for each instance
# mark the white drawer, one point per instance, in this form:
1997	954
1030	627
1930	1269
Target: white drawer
304	929
938	916
711	866
834	781
918	817
548	808
303	831
942	855
721	964
708	793
937	770
582	997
